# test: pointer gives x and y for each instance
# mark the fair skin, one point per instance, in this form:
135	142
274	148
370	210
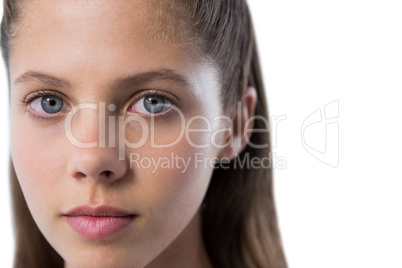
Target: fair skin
92	44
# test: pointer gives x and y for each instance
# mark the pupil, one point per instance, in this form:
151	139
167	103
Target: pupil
52	104
154	104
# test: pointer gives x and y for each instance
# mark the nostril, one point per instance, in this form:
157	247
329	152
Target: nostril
80	175
107	173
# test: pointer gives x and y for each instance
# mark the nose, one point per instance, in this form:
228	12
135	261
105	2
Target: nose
99	164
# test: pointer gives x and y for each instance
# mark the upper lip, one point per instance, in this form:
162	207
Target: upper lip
98	211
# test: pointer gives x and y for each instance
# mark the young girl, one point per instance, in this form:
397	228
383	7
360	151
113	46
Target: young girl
137	129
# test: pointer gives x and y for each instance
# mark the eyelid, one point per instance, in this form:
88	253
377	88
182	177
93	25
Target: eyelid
137	96
27	101
40	93
153	92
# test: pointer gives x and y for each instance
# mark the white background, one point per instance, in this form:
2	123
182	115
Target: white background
314	53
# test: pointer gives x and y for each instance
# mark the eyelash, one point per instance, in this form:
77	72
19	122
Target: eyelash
153	92
42	93
38	94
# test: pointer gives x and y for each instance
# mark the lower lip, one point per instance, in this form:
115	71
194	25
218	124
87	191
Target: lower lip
98	227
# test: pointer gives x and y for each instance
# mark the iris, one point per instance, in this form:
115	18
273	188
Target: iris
154	104
52	104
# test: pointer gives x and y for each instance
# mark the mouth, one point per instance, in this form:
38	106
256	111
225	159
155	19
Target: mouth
98	222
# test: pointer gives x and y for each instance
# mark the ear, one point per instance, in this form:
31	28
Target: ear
243	125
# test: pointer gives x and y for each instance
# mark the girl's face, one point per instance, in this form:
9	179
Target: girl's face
86	76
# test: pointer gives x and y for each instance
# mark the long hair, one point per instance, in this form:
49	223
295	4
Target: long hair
239	222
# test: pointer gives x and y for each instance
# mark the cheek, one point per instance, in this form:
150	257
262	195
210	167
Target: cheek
171	195
38	162
172	179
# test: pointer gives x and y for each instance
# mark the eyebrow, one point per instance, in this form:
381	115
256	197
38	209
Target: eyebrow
32	76
132	80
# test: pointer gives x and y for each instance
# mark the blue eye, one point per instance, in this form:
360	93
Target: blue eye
47	104
52	104
151	104
154	104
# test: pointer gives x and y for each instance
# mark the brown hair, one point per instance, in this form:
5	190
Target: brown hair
239	221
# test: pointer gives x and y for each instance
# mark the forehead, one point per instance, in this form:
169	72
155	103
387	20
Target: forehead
99	35
166	19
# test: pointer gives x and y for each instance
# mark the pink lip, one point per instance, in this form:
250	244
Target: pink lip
98	222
